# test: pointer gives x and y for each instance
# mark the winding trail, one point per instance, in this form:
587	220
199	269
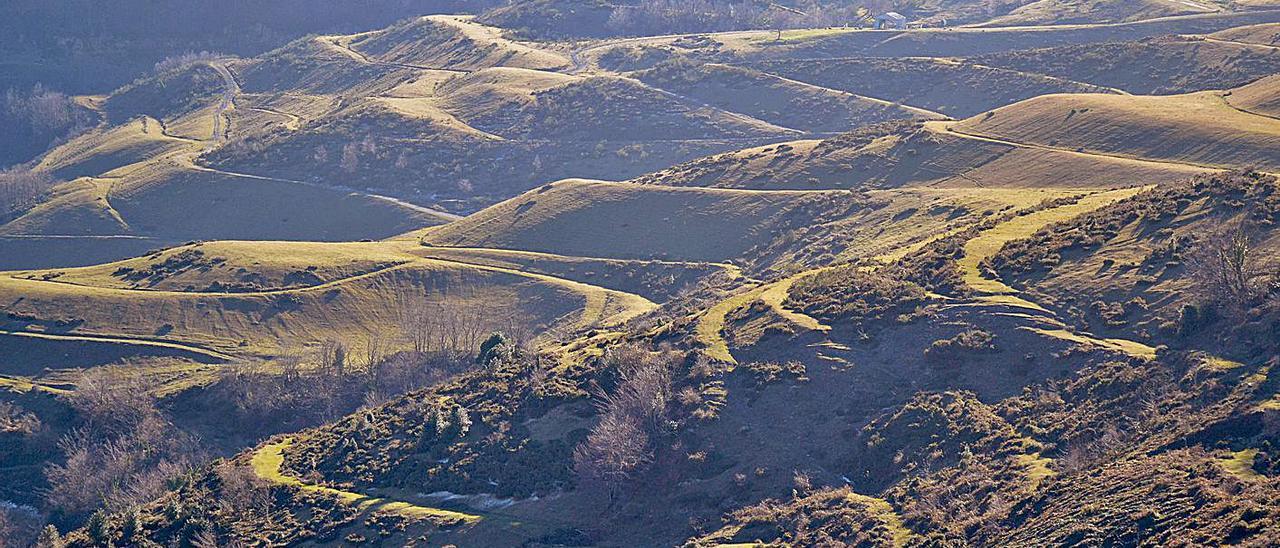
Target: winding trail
995	292
205	353
231	88
601	307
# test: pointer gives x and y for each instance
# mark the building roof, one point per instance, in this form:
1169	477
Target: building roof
893	15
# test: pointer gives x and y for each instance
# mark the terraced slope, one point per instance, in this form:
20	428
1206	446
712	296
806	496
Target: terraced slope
449	42
959	41
204	297
1266	34
630	221
951	87
1159	65
1075	11
1261	97
778	100
1201	128
912	155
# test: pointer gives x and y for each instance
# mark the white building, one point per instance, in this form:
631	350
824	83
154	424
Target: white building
891	20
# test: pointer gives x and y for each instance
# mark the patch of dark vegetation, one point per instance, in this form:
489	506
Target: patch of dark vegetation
766	373
849	295
961	347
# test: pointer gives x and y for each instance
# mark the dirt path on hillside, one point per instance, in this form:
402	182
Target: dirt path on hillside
601	307
292	121
111	339
947	127
231	88
420	209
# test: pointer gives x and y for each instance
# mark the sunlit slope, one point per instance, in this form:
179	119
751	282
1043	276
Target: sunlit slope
910	155
313	293
1267	34
313	65
655	280
451	42
485	136
947	86
98	153
1261	97
1201	128
1159	65
165	96
525	105
175	204
969	41
623	220
775	99
236	266
1043	12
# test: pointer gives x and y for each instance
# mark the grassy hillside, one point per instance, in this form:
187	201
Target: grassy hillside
133	142
1160	65
1200	128
552	19
447	42
774	99
910	155
954	88
1261	97
987	330
482	137
166	96
84	47
1046	12
629	221
314	65
1135	257
956	41
1266	34
196	297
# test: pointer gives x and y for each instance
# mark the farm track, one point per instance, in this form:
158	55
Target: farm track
111	339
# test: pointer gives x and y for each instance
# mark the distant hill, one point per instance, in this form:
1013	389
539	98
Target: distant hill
1158	65
83	46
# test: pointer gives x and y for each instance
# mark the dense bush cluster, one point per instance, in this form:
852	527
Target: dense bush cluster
848	294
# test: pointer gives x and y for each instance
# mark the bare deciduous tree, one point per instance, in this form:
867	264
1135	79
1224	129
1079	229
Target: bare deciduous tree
1227	269
631	415
20	188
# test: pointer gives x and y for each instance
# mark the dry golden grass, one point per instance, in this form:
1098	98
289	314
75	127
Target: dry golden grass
1240	465
624	221
929	155
311	292
267	265
1261	97
1267	34
450	42
988	242
99	153
1199	129
1108	11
